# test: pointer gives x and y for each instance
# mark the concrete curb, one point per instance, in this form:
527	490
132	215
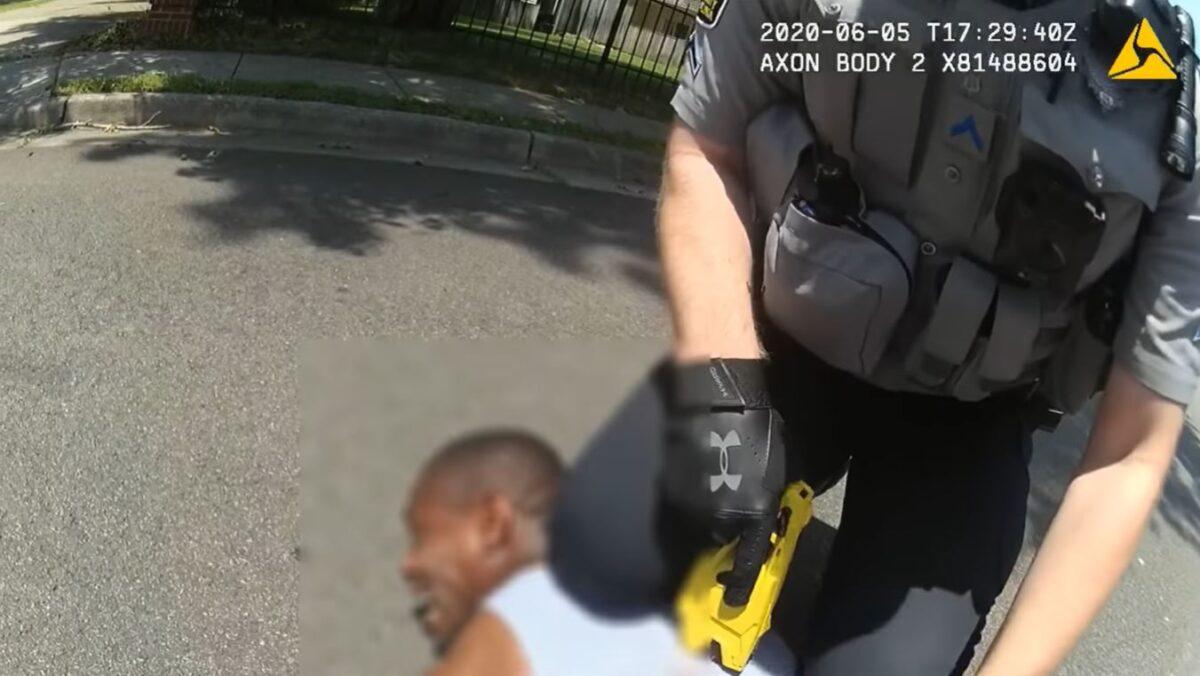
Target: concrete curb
231	113
426	133
623	165
39	115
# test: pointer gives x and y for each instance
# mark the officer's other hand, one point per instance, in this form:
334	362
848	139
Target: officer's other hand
724	460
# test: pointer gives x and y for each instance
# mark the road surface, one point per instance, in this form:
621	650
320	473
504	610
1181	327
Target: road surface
155	301
160	302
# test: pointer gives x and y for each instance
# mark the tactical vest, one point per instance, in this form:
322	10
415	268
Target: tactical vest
997	211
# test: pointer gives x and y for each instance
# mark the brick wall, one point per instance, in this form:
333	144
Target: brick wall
171	17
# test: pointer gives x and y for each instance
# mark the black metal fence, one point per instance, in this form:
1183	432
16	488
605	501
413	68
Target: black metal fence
626	47
630	45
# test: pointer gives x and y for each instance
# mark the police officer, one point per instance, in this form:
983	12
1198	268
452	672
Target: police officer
905	273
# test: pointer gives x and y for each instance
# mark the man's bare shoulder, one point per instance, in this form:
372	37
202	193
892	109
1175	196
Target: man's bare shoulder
485	646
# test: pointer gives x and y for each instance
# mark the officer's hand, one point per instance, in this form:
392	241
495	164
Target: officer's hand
724	463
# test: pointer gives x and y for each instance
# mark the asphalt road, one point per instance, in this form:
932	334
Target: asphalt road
168	310
154	303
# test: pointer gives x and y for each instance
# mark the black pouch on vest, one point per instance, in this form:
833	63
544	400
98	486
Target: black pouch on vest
1050	227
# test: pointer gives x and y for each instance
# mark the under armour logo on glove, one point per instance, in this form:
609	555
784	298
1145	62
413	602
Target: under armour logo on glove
724	444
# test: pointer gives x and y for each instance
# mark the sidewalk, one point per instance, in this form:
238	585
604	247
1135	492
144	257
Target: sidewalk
29	29
26	81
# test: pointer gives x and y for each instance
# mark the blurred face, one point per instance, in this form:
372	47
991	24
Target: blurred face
448	562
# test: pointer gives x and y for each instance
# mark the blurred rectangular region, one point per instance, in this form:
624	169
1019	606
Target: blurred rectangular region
372	413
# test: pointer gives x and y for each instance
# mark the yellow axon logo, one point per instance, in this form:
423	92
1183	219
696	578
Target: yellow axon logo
1142	57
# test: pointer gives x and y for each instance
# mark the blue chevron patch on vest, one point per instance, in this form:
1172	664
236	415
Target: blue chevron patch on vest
967	126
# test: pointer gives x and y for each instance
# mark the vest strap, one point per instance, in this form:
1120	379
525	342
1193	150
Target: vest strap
1018	319
959	313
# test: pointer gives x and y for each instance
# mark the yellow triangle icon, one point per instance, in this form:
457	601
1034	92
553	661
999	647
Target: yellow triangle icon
1142	57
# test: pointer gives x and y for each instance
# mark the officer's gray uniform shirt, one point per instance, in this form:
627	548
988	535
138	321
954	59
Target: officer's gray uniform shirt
1160	332
888	125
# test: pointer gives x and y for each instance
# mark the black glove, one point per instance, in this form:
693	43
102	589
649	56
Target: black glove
724	464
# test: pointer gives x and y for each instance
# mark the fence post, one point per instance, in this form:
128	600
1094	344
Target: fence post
612	34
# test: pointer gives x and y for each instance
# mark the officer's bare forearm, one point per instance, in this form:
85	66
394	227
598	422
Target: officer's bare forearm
705	250
1095	533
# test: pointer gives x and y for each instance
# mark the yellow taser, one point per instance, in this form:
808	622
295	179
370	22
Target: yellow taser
731	634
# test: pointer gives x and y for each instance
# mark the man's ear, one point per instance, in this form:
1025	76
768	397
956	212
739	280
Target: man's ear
498	522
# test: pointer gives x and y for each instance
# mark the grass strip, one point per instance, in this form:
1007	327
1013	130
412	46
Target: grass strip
158	82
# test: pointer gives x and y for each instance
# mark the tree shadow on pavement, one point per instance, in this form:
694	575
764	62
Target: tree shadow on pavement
23	82
38	36
1054	459
353	205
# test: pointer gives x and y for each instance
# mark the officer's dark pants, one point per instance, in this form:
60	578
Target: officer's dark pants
931	525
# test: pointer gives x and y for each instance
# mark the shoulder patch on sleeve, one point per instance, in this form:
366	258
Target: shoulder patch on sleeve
710	12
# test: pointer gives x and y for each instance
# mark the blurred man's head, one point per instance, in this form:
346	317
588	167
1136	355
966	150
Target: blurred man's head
475	515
